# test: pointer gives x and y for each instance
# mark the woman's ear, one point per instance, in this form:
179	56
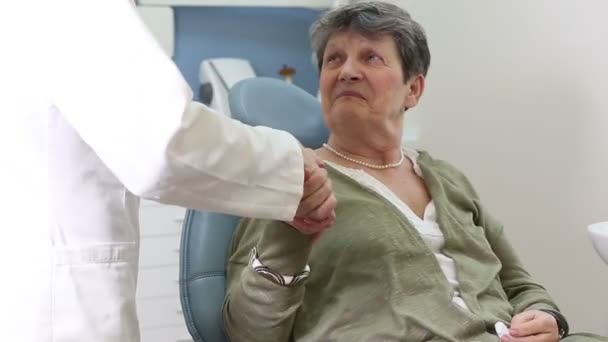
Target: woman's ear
415	89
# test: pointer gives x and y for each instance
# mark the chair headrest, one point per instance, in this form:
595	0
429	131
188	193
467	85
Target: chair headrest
264	101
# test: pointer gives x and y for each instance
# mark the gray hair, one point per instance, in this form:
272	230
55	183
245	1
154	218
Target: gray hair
372	19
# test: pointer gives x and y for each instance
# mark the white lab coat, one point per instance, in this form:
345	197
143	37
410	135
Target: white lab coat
96	116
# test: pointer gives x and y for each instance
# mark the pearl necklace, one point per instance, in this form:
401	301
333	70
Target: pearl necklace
371	166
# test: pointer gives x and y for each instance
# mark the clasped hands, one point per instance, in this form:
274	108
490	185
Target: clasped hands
317	209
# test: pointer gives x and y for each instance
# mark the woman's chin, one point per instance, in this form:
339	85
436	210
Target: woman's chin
348	107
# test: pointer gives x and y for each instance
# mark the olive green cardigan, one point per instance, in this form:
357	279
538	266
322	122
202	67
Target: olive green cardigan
373	278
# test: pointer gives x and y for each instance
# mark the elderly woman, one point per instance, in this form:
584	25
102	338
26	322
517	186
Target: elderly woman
413	255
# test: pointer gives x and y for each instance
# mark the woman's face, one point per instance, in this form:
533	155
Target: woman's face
362	85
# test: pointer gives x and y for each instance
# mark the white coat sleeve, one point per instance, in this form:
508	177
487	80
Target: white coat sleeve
130	104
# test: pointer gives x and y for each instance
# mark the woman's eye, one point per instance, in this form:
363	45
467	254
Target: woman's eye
332	59
374	58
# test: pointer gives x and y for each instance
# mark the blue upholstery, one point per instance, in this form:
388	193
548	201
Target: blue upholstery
277	104
206	236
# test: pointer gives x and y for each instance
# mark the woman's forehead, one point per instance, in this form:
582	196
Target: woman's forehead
350	36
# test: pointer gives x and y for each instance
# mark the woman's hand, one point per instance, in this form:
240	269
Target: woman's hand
533	326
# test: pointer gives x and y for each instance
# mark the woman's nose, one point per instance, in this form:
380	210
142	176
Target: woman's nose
350	71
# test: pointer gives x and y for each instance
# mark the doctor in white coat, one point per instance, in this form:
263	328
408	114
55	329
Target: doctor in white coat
94	116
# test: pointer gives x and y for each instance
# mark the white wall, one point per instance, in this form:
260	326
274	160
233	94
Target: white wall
516	97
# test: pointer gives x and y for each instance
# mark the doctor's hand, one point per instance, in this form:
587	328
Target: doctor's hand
316	211
533	326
